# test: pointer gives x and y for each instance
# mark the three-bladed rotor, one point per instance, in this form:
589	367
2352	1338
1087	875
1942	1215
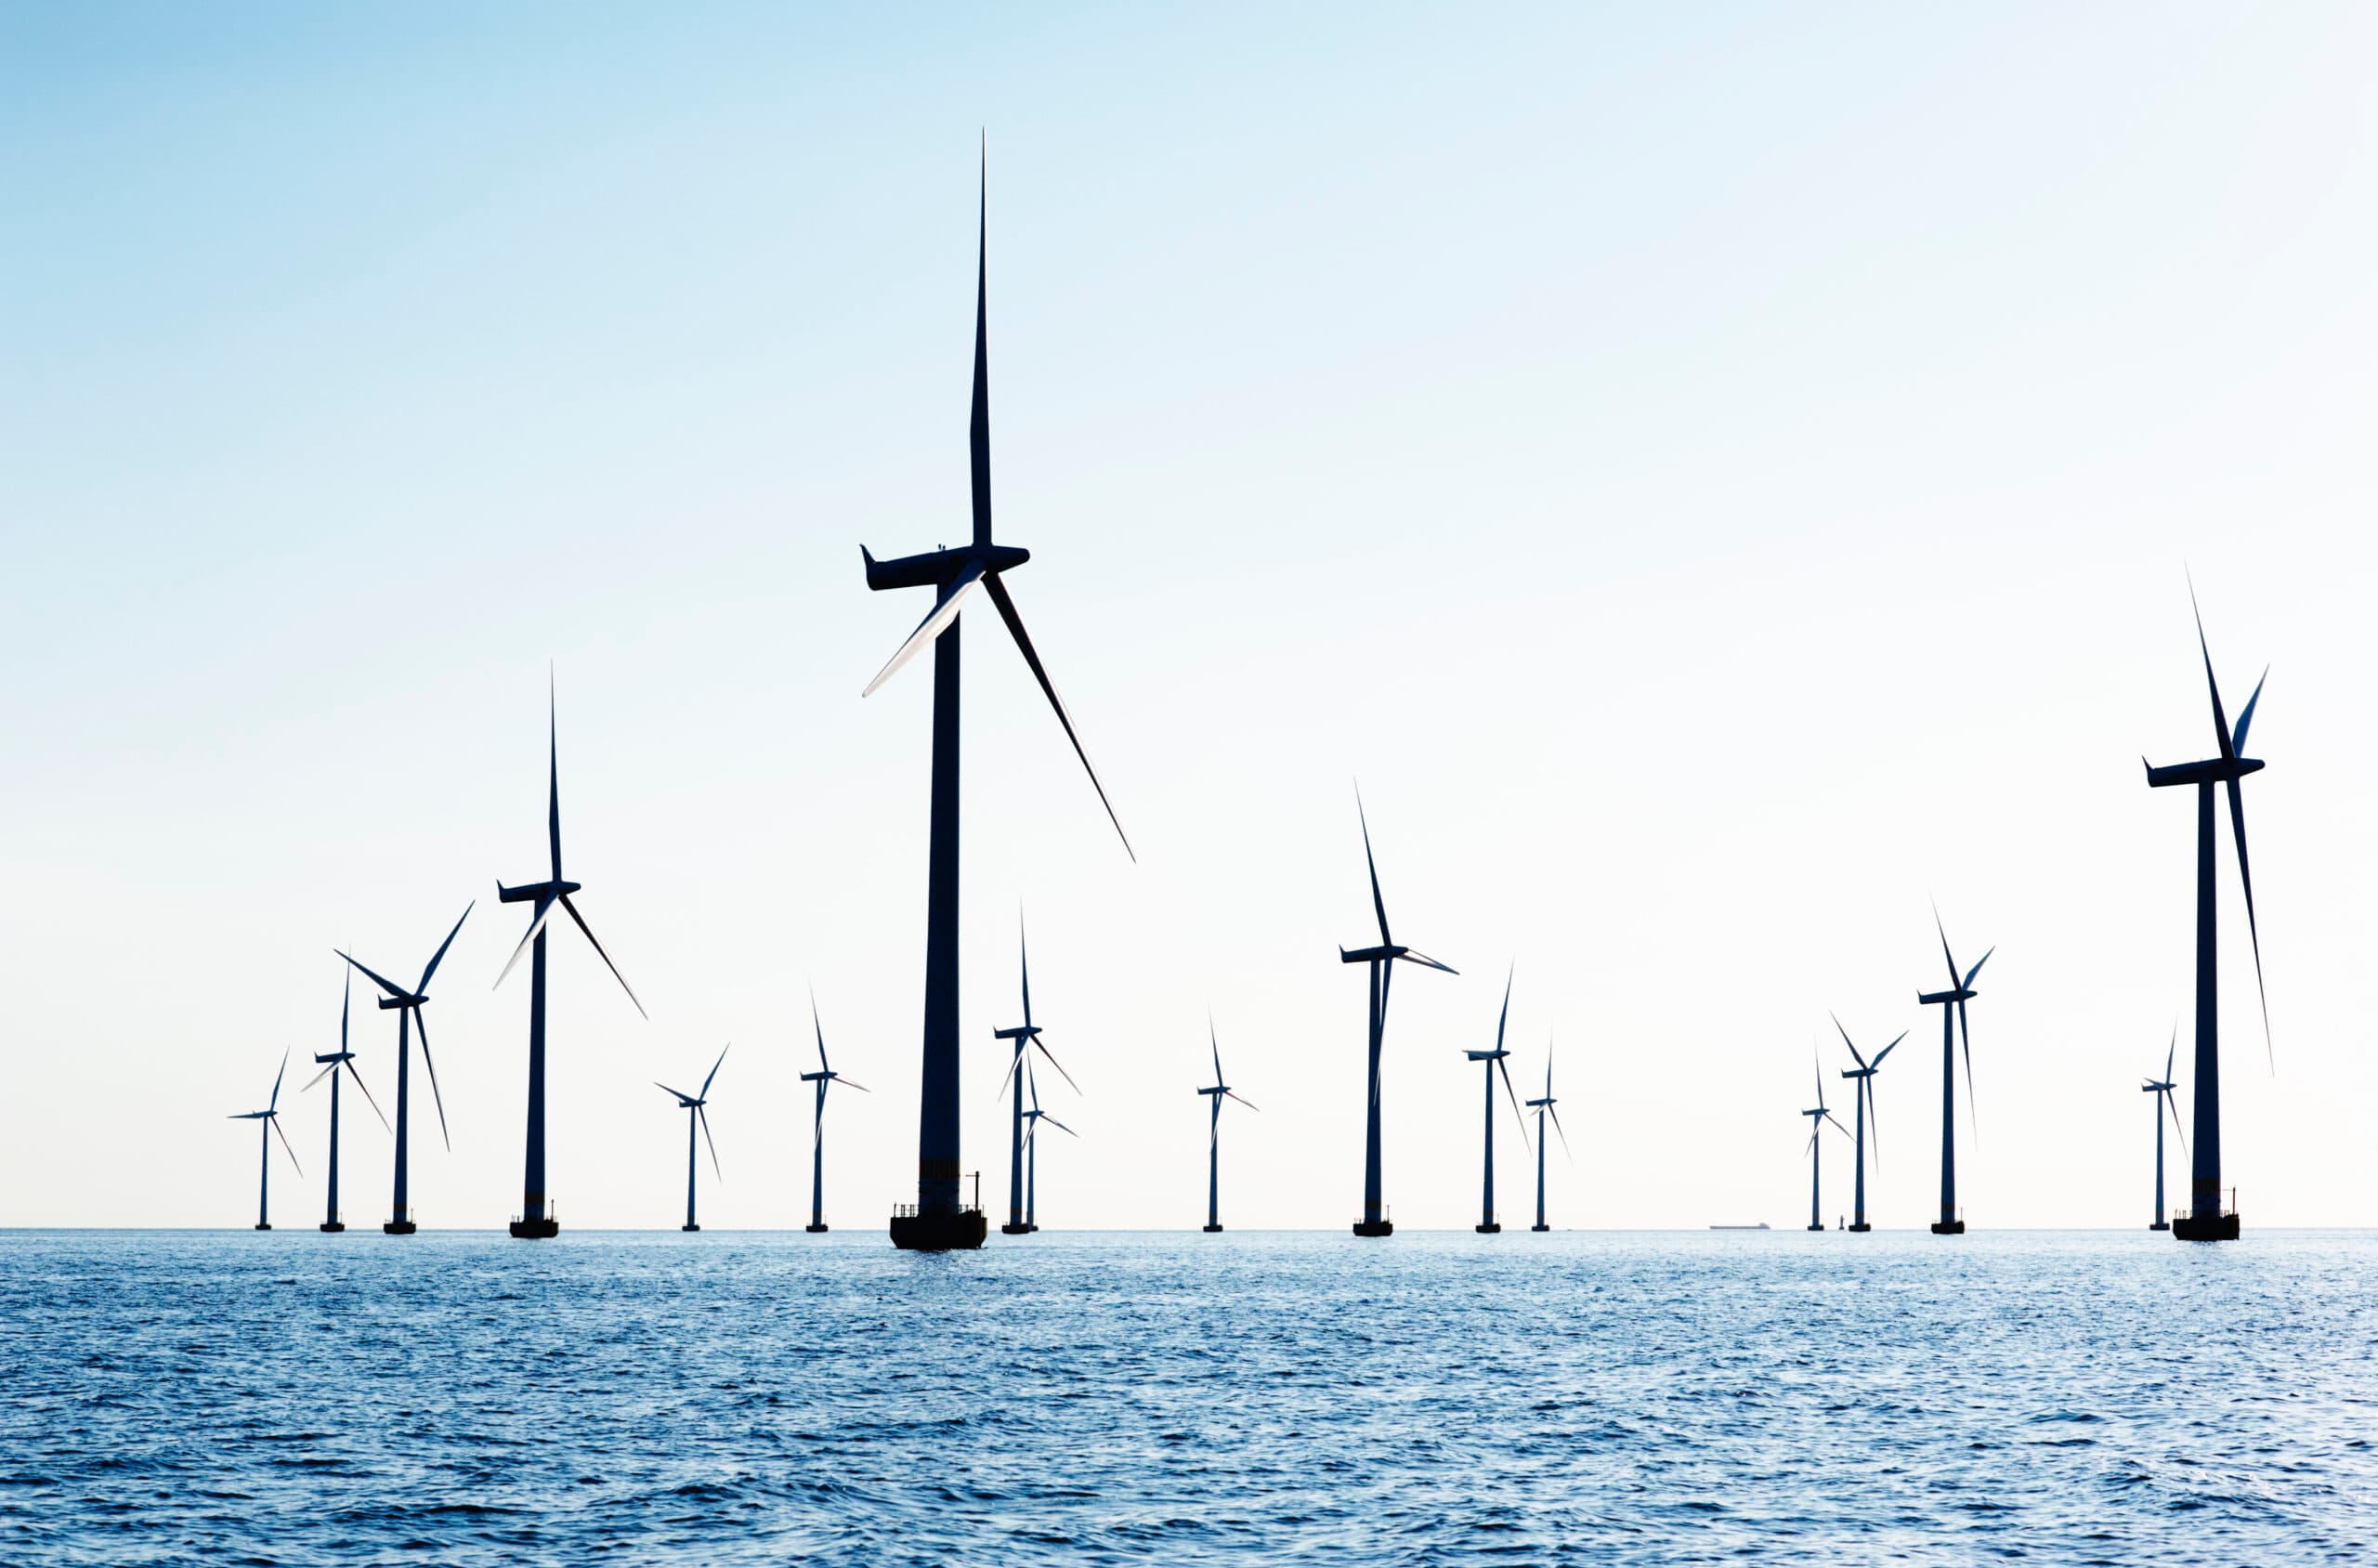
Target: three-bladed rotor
695	1103
270	1114
343	1057
1960	992
1499	1060
1820	1116
1219	1088
1026	1034
1864	1073
413	1001
1545	1104
824	1073
2165	1085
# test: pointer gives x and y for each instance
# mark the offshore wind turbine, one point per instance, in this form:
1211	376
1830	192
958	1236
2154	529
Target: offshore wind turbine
2161	1089
1026	1039
938	1221
1952	1003
269	1118
1216	1092
337	1059
408	1005
692	1106
1382	960
822	1077
2206	1220
1818	1117
1542	1107
536	1219
1036	1116
1864	1075
1496	1058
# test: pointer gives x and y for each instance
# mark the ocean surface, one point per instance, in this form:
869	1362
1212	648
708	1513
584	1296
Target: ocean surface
1576	1397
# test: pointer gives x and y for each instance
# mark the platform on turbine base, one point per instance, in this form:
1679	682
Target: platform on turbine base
536	1230
815	1230
2206	1227
262	1226
1816	1227
1948	1227
1539	1227
1490	1228
398	1227
689	1225
332	1226
961	1231
1211	1229
2161	1225
1013	1228
1374	1227
1862	1225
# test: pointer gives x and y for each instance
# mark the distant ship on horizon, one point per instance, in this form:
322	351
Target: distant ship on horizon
1761	1226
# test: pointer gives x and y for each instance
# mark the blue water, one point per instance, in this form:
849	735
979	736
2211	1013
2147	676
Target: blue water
174	1397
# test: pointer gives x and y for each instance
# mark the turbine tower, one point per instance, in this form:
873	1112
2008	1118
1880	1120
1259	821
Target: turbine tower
692	1106
1026	1039
1952	1003
269	1118
1036	1116
408	1005
1542	1107
1382	960
2161	1089
1214	1131
1496	1058
2206	1219
337	1059
536	1219
1819	1116
1864	1073
939	1222
822	1077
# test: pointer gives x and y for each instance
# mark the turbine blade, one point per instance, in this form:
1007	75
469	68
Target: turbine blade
623	979
1412	955
1564	1135
1217	1045
1060	1066
1873	1115
1518	1114
357	1078
702	1116
274	1104
1244	1101
997	590
1059	1125
1965	1034
439	956
1967	984
346	994
823	1066
944	611
978	419
1888	1048
713	1069
421	1026
666	1090
2172	1104
274	1122
1377	902
1021	1042
1944	944
2170	1051
853	1083
2246	715
387	985
2220	722
1845	1040
1498	1022
553	773
319	1076
1023	963
544	913
2246	876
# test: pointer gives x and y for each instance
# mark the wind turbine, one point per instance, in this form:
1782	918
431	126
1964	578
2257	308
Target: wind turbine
1819	1116
1952	1003
1864	1073
1496	1058
692	1106
822	1077
939	1222
337	1059
269	1118
1382	960
1027	1038
1036	1116
537	1220
408	1005
2161	1089
1541	1107
2206	1220
1214	1131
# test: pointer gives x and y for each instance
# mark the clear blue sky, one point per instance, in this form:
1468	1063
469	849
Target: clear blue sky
1720	477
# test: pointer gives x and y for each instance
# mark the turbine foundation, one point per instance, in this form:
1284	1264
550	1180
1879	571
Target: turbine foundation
334	1225
818	1229
1015	1227
962	1232
1490	1228
1948	1227
1211	1229
1374	1227
2206	1227
1539	1227
398	1227
544	1229
1862	1225
689	1225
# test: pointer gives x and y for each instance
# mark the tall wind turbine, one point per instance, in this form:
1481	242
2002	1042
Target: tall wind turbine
2206	1220
2161	1089
1496	1058
822	1077
939	1222
692	1106
269	1118
1036	1116
1382	960
337	1059
537	1220
408	1005
1216	1094
1818	1117
1026	1039
1541	1107
1864	1073
1952	1003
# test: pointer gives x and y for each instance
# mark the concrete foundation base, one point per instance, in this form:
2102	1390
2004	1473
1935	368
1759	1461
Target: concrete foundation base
2210	1227
535	1230
1490	1228
332	1226
1374	1227
398	1227
815	1230
1948	1227
1862	1227
939	1233
1211	1229
1011	1228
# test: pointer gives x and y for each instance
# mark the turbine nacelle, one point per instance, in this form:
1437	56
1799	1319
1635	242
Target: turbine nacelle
1495	1056
534	892
937	568
1932	998
1021	1031
2212	770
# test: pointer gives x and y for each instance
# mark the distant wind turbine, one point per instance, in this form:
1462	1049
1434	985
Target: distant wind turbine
537	1220
1864	1075
2206	1219
1382	960
1216	1092
1542	1107
1818	1117
1952	1003
1026	1039
1036	1116
2161	1089
822	1077
337	1059
692	1106
1496	1058
408	1005
269	1118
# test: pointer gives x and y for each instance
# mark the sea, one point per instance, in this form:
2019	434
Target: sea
2062	1397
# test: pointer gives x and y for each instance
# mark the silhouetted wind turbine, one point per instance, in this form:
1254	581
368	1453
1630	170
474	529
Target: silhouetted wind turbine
1864	1073
692	1106
1819	1116
1025	1037
1214	1131
337	1059
1382	960
2206	1220
408	1005
1541	1107
2161	1089
939	1220
1496	1058
537	1220
1036	1116
270	1117
1952	1003
822	1077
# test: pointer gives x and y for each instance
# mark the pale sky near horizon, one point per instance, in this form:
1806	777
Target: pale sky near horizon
1720	479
